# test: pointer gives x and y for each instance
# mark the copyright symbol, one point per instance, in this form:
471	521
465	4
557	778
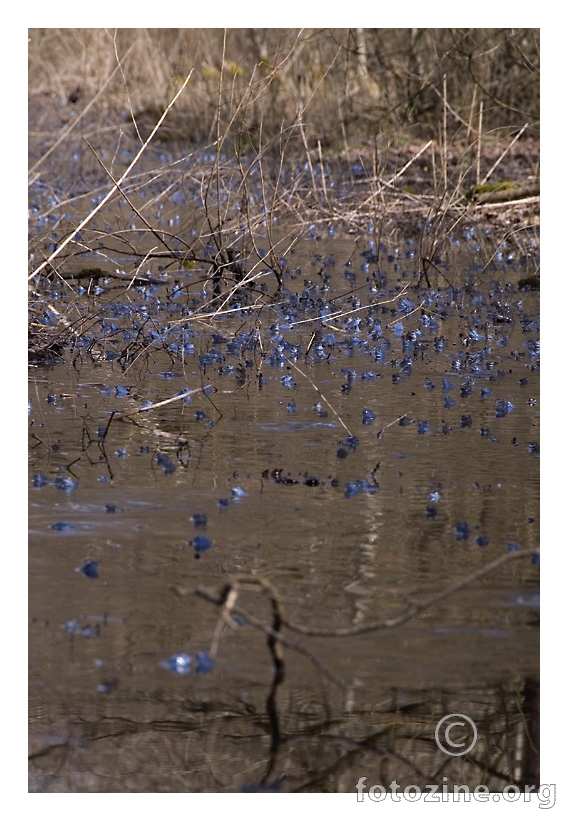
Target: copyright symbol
453	734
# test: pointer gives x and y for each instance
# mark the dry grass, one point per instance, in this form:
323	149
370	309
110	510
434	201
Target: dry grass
387	129
356	83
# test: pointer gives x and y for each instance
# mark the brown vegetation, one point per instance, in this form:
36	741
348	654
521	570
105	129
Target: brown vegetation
400	130
348	85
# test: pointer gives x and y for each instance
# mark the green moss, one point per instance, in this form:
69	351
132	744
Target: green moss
488	188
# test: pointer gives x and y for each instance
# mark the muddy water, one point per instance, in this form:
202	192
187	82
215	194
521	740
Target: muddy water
382	471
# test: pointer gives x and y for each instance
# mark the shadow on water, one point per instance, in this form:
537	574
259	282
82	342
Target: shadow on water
341	469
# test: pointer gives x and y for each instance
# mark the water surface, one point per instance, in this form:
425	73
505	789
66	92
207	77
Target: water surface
397	457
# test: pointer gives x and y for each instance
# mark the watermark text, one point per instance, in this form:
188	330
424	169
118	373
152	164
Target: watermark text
455	793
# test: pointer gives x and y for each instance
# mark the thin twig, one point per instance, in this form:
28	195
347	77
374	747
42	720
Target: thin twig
503	154
114	188
321	395
418	607
154	405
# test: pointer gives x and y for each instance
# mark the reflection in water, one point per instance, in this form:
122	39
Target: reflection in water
222	739
287	481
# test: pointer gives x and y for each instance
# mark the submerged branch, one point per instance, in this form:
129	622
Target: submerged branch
228	598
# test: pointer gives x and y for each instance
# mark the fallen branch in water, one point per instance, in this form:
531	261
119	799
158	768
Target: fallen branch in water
206	389
228	598
276	641
417	607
